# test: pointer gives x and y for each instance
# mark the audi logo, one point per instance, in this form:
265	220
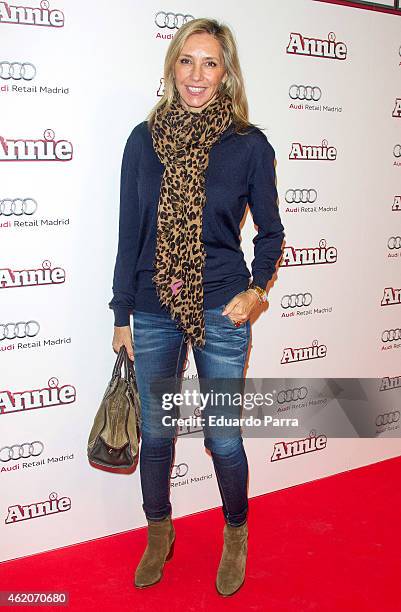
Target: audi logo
290	395
305	92
304	196
391	334
9	331
389	417
17	206
296	300
21	451
172	21
394	242
17	71
178	471
397	150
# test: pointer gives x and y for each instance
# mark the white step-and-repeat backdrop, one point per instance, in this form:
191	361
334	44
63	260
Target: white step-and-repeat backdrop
323	81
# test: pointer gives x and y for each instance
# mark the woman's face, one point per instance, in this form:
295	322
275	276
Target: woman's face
198	71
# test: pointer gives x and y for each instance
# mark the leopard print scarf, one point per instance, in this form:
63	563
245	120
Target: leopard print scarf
182	141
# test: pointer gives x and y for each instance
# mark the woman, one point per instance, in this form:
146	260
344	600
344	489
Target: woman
187	176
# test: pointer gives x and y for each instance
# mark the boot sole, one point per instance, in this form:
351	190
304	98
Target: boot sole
169	556
229	594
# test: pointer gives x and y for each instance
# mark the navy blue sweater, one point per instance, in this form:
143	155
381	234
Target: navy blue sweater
240	171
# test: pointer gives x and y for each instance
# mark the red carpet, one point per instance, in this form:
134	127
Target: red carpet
330	545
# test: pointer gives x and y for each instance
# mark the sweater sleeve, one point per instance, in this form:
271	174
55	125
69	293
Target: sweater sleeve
262	200
123	301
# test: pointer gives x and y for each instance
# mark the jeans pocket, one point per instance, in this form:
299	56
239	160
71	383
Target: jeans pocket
229	320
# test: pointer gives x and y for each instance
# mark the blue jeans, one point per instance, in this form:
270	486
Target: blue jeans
160	352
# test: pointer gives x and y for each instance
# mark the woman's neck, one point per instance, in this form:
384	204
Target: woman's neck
193	109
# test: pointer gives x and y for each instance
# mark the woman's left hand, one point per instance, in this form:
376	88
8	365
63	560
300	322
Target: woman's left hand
240	307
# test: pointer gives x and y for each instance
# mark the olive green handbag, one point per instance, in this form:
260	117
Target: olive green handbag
114	437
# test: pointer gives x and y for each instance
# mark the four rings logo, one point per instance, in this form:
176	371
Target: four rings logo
314	47
171	21
388	418
22	329
18	206
21	451
298	196
17	71
389	335
305	92
394	242
291	395
26	15
296	300
179	471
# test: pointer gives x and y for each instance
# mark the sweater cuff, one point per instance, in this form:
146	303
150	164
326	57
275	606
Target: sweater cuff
261	279
121	316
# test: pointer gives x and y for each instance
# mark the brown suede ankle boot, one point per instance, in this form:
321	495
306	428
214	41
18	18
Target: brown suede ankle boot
161	536
231	572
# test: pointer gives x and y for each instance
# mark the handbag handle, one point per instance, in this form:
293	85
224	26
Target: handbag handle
129	368
129	371
117	366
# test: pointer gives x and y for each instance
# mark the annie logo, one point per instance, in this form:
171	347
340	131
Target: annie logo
52	395
309	256
26	15
46	275
391	296
53	505
304	353
315	47
313	152
47	149
388	383
397	108
284	450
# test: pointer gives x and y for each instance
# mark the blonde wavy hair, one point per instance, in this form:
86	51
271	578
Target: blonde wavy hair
233	85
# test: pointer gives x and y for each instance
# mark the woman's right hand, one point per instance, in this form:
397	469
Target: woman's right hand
123	337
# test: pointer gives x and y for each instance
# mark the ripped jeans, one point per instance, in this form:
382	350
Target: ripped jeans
160	352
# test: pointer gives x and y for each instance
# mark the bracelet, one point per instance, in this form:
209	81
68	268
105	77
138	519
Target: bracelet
260	292
257	294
